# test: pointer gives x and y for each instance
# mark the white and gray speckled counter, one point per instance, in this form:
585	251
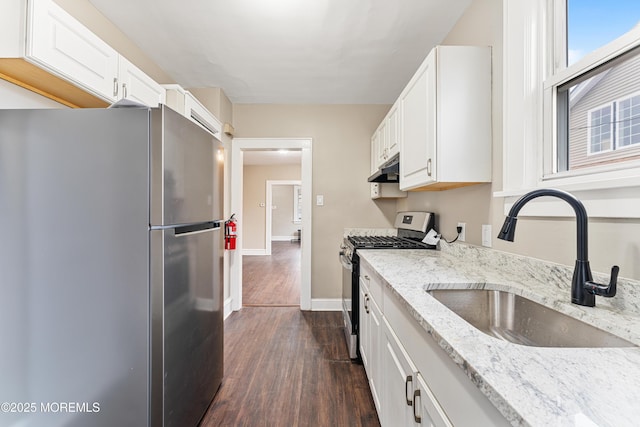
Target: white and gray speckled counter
529	385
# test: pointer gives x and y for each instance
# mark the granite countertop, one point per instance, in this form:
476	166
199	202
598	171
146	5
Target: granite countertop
534	386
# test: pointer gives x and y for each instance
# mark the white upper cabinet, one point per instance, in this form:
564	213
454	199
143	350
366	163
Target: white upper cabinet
136	86
374	152
44	48
393	137
56	41
381	156
445	124
386	137
418	130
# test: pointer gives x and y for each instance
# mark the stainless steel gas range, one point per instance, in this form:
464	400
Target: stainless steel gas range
411	227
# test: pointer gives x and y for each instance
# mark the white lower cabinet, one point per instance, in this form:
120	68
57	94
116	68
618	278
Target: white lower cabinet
371	338
375	337
398	382
406	398
426	409
413	381
364	325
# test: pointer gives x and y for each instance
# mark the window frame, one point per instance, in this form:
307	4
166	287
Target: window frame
559	77
534	46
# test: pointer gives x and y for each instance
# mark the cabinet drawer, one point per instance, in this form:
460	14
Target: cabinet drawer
374	283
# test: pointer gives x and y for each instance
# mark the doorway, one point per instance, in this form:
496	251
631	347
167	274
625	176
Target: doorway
239	147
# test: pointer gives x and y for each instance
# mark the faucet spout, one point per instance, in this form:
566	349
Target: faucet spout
583	289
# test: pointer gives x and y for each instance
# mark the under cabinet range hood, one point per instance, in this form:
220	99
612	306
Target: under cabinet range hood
388	172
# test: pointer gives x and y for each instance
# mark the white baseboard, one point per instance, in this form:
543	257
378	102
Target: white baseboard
282	238
326	304
227	308
254	252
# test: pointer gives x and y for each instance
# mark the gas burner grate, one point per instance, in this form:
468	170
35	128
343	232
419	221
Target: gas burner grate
382	242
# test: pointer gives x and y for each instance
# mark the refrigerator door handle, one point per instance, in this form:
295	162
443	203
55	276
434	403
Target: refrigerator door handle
202	227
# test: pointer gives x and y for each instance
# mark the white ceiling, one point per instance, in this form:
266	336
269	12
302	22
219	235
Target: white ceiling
288	51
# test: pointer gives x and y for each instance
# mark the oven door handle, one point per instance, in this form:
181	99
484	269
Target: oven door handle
345	261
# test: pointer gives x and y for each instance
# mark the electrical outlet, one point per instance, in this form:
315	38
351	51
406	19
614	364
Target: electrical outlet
486	235
319	200
462	236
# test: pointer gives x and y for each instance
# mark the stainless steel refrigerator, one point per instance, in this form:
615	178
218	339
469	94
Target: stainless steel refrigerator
110	268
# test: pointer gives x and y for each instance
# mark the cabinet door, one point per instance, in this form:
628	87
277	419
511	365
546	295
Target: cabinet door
427	410
418	127
375	352
363	304
136	86
398	382
60	44
374	152
393	141
382	144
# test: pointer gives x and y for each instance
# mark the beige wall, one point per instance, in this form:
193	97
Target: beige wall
611	241
341	148
254	192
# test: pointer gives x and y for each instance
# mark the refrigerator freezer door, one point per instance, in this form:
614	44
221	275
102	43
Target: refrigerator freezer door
187	334
182	170
74	265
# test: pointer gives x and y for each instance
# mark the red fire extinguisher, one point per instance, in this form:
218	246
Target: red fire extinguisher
230	233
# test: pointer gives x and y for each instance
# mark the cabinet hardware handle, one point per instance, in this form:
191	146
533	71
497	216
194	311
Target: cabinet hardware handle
366	300
115	86
366	277
429	167
418	419
124	90
406	389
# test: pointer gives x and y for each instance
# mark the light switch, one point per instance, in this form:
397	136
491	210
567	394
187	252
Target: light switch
320	200
486	235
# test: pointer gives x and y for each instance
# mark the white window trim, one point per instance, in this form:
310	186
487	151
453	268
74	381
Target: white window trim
617	146
612	131
531	53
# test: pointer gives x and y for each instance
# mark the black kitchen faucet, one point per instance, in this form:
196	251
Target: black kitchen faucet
583	289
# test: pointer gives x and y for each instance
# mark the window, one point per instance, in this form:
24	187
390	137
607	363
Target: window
628	122
597	113
568	65
599	130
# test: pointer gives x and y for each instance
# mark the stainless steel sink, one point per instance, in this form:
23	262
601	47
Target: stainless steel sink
516	319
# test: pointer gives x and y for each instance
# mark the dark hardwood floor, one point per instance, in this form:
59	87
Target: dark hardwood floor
286	367
282	366
272	280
